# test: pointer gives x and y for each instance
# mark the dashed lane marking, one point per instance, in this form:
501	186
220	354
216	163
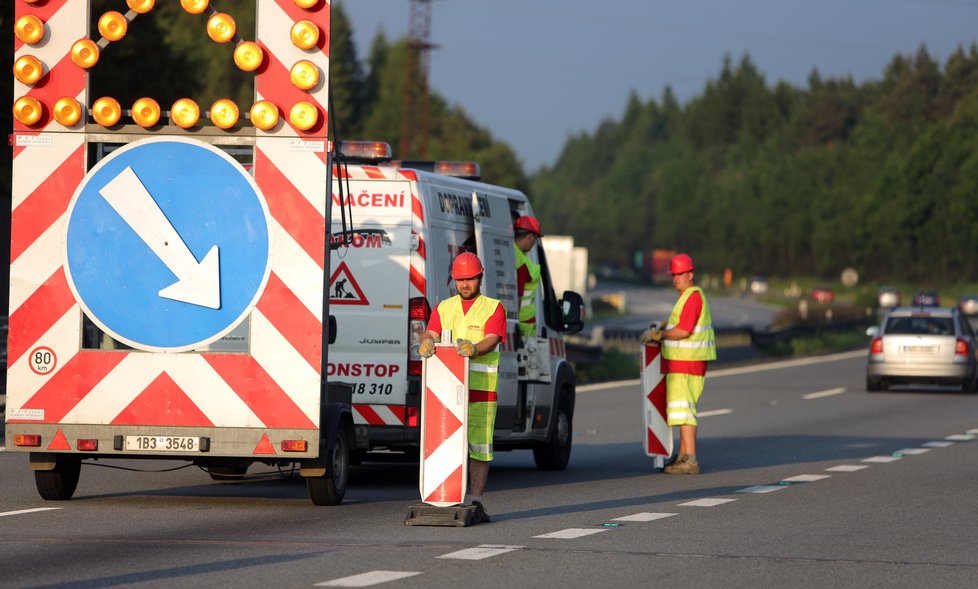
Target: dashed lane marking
806	478
714	412
847	468
23	511
913	451
881	459
480	552
368	579
643	517
761	489
960	438
827	393
708	502
937	444
571	533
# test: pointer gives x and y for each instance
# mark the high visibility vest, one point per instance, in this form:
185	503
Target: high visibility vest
701	344
528	301
483	369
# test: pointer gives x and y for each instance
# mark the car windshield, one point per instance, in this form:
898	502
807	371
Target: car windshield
920	326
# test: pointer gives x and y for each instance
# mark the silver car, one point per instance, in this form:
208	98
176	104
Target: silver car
922	345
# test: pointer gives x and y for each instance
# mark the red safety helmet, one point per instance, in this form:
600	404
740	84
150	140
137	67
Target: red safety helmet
466	265
680	263
528	223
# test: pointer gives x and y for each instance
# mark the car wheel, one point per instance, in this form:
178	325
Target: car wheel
970	385
872	384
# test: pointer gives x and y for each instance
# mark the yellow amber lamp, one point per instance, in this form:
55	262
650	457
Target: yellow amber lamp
28	70
29	29
194	6
146	112
304	75
307	4
112	25
224	113
106	111
28	110
220	27
141	6
84	53
248	56
264	115
304	34
67	111
303	115
185	113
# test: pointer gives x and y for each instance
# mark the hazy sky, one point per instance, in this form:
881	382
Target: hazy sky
536	71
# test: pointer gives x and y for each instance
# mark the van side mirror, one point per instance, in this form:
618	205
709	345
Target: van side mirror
331	326
572	312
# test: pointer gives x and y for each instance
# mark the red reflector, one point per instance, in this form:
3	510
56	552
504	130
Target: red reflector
88	445
414	367
877	346
294	445
961	347
411	419
27	440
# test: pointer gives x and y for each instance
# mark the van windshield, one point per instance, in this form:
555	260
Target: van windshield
920	326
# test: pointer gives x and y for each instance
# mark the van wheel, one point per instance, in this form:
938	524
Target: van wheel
330	488
556	453
59	484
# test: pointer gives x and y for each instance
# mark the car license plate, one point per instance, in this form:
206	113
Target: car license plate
918	349
163	443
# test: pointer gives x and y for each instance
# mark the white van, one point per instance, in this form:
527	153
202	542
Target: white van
387	273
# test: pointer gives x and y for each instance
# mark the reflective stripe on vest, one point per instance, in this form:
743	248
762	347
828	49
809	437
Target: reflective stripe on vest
528	302
483	369
701	343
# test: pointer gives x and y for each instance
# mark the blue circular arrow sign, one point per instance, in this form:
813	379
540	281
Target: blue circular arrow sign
167	244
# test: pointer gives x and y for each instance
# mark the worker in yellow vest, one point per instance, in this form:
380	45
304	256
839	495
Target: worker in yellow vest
688	343
526	234
478	324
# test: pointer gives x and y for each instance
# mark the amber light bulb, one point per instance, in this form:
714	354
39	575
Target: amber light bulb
112	25
304	75
28	70
185	113
106	111
29	29
248	56
224	113
141	6
264	115
28	110
67	111
84	53
307	4
220	27
146	112
304	34
303	115
194	6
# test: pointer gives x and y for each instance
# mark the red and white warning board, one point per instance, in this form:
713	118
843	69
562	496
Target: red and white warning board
167	376
444	427
657	438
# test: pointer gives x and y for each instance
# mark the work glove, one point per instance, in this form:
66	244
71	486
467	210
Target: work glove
651	335
427	348
466	349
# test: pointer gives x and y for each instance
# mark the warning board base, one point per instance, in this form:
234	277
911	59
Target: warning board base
429	515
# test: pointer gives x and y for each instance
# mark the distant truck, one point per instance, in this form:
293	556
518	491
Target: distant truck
655	265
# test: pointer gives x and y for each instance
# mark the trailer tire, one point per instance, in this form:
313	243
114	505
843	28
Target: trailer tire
555	454
330	488
225	474
59	483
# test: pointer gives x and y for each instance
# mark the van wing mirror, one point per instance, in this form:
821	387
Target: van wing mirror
572	312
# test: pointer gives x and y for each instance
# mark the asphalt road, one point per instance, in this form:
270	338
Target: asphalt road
808	481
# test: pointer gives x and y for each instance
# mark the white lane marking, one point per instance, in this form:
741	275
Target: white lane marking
972	432
847	468
737	371
913	451
806	478
708	502
760	489
828	393
643	517
714	412
937	444
881	459
368	579
480	552
23	511
571	533
960	438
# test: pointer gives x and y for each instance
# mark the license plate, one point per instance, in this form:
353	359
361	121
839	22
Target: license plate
163	443
918	349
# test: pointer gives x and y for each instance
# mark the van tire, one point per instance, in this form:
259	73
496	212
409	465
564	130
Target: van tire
555	454
59	483
330	488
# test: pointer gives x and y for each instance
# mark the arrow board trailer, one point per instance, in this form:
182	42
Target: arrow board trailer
395	268
165	302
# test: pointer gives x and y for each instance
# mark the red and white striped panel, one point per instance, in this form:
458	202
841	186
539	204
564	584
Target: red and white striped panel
557	347
366	414
275	386
444	423
658	435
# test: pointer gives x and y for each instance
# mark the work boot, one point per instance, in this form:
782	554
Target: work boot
683	467
480	514
677	459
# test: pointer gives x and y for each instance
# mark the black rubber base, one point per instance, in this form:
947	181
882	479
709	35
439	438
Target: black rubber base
454	516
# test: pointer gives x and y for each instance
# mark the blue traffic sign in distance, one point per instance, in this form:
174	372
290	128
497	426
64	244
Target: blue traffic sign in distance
167	244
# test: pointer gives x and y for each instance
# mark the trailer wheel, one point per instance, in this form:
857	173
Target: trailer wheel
330	488
556	453
226	474
59	483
